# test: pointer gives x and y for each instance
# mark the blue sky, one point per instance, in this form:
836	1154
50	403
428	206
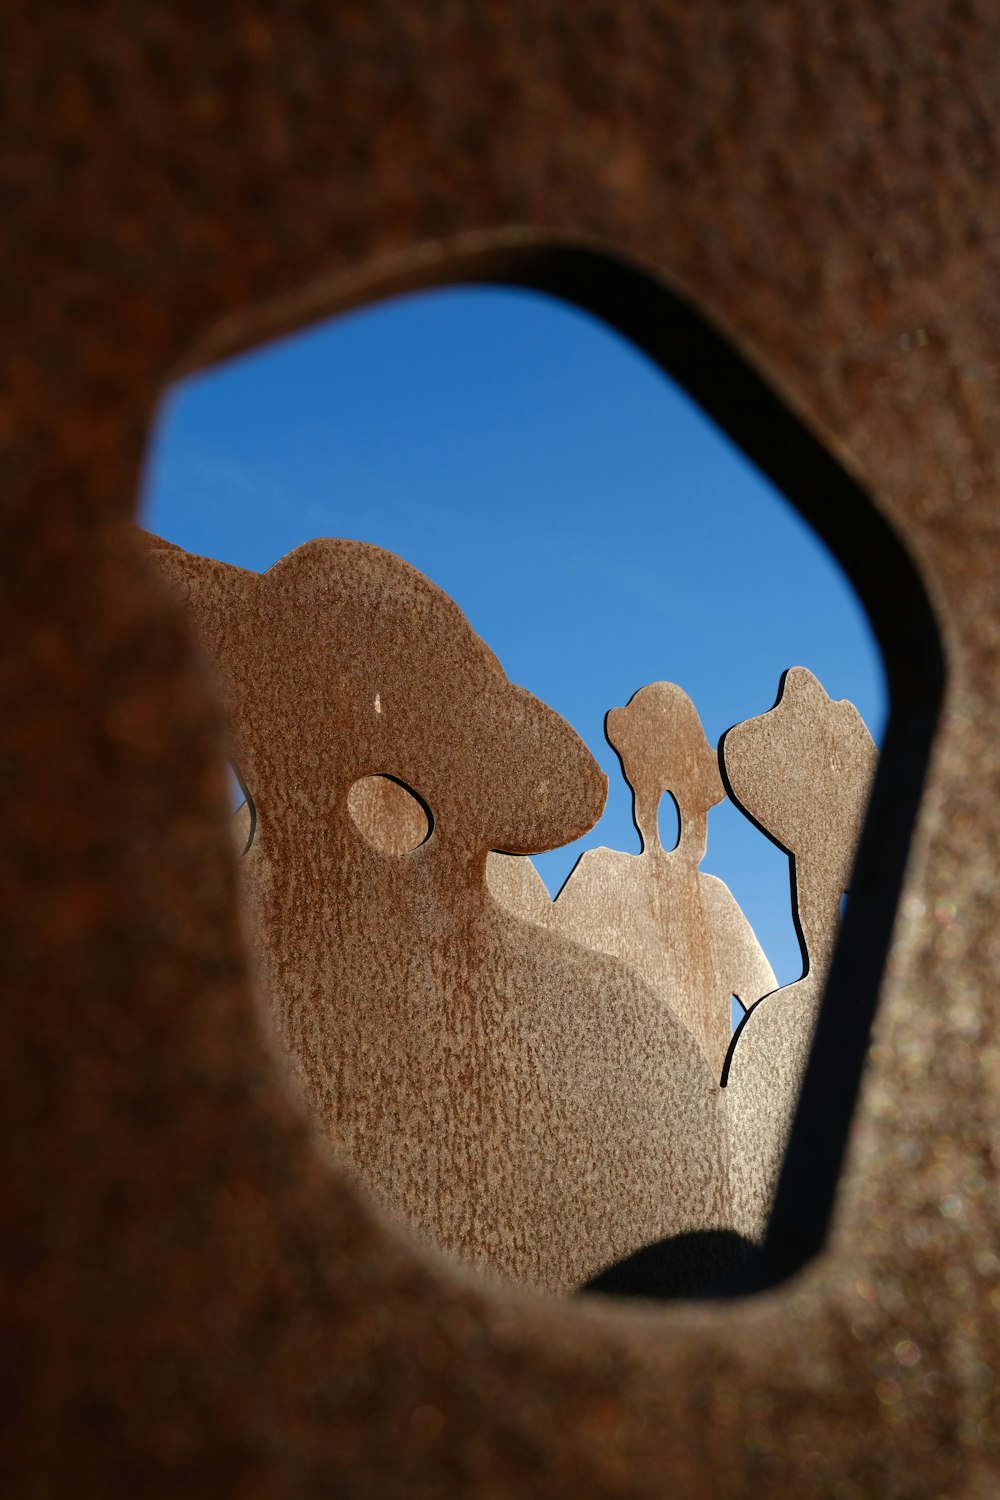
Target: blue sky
595	527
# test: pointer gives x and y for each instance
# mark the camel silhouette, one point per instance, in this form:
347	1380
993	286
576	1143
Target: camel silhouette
802	772
524	1103
679	929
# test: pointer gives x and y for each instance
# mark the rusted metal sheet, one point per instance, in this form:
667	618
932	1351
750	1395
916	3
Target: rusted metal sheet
803	772
502	1090
193	1301
682	931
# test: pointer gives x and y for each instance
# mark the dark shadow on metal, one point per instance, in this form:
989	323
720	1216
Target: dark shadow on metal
707	1263
635	300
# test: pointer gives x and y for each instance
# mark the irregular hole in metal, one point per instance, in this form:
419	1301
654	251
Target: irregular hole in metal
668	821
388	814
243	824
638	303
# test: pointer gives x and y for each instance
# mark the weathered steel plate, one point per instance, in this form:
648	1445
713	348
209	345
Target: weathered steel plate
193	1300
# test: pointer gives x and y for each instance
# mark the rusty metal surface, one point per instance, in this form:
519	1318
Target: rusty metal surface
803	772
193	1300
682	930
502	1090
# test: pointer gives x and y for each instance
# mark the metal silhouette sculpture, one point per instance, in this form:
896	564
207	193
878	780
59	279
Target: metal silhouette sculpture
681	930
522	1102
533	1085
802	772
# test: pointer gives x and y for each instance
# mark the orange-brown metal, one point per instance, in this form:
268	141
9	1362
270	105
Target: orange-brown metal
194	1301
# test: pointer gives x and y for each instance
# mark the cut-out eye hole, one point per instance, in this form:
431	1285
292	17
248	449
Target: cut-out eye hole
389	815
668	822
244	819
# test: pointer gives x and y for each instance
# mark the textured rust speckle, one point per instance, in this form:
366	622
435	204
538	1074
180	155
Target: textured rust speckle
193	1302
529	1106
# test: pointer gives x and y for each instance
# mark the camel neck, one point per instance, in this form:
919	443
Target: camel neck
693	832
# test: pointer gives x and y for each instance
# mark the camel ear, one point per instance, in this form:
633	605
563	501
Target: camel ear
214	594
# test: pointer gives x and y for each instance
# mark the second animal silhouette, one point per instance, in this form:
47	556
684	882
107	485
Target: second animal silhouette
680	929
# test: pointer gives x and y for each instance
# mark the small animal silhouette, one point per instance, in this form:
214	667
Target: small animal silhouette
681	930
802	772
524	1103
